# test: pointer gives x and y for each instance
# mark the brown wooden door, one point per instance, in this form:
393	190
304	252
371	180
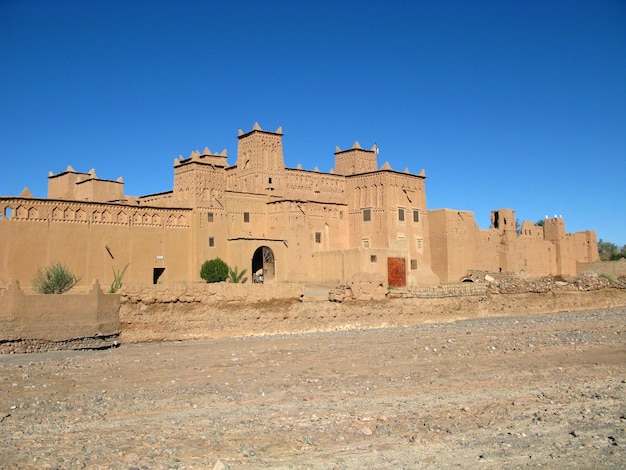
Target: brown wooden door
396	272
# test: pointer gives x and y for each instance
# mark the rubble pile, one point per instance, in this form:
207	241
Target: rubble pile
362	286
583	283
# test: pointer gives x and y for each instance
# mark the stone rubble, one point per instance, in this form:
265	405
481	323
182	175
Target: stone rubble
510	392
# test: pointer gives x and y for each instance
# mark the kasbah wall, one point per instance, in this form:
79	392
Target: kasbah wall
291	224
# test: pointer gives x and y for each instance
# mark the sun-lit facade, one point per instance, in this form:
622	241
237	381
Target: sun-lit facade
286	224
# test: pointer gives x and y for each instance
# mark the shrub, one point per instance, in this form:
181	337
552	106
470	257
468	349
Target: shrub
610	277
234	276
214	270
54	279
117	280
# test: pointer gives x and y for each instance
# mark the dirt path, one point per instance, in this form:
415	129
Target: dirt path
545	390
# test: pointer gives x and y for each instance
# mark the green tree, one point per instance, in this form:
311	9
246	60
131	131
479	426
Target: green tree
608	251
54	279
540	222
214	270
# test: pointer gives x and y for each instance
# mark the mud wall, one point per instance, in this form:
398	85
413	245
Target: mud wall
57	318
209	293
184	320
614	268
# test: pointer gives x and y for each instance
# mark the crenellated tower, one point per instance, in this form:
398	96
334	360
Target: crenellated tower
356	160
260	150
260	163
199	179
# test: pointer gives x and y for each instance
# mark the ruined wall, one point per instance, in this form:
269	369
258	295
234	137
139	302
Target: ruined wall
209	293
57	318
459	246
160	316
454	237
614	268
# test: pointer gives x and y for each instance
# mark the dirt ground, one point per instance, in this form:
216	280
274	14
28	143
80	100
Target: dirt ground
492	393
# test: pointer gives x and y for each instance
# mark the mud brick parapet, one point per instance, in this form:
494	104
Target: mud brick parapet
57	318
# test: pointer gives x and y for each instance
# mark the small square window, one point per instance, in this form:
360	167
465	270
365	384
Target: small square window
373	259
366	243
318	237
211	241
210	216
420	243
367	215
401	214
246	216
269	180
416	215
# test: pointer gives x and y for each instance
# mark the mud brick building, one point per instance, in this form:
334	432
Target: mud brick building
291	223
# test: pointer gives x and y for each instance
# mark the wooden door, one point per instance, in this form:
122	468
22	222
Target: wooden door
396	272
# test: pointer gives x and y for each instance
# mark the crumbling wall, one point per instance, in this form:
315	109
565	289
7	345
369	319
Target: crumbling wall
441	292
362	286
614	268
57	321
209	293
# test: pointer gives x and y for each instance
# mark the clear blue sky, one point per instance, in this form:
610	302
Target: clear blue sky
505	104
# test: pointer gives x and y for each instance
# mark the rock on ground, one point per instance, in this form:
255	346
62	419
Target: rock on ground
509	392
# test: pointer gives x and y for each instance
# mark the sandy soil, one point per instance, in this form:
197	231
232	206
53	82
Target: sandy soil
493	393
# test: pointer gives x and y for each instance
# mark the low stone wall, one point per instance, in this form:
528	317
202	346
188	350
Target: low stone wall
210	294
440	292
34	322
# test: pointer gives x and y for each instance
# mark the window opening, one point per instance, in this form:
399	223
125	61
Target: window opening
401	214
156	275
246	217
367	215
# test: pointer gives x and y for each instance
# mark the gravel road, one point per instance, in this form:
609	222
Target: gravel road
515	392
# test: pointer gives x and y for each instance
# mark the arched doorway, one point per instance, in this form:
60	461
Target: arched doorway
263	264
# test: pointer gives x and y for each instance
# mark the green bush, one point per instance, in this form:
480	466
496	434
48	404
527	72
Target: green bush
54	279
214	270
608	276
235	276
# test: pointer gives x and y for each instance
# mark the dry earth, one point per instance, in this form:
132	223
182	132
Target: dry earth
491	393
